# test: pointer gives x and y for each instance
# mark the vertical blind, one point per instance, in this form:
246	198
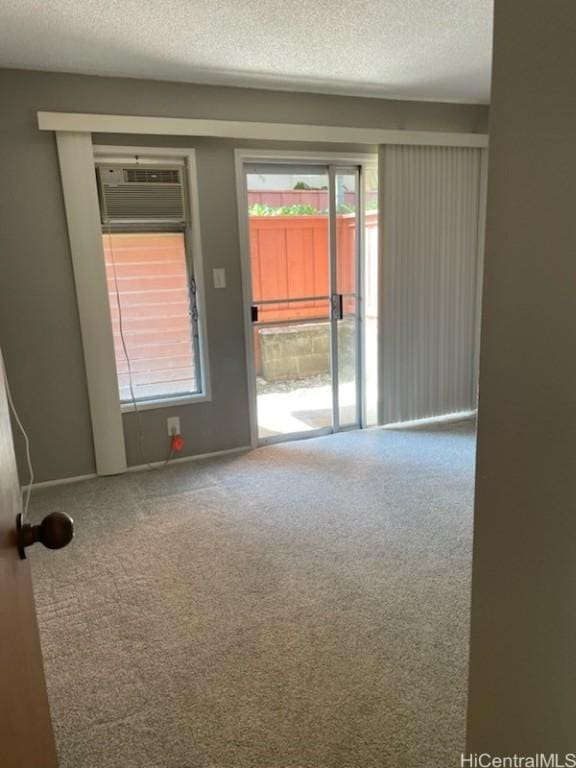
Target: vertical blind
430	202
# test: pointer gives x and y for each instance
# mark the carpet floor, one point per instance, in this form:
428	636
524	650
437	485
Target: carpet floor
304	605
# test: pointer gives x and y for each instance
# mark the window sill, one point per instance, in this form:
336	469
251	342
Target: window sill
165	402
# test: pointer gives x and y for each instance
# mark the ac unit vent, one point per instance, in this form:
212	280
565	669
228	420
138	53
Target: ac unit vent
152	175
130	195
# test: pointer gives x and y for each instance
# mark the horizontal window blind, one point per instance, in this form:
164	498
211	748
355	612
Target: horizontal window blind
150	303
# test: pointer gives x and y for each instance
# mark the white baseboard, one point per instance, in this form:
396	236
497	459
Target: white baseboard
138	467
448	418
62	481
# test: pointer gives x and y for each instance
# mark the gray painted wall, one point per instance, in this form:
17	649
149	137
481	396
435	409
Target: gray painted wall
39	330
523	641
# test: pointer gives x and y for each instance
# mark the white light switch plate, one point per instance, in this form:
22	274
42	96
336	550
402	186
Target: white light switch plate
219	277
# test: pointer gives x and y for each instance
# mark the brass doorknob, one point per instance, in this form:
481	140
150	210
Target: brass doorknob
55	532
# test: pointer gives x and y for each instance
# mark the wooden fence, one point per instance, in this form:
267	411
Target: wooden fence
290	259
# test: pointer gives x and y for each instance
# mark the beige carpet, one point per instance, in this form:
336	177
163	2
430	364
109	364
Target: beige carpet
301	606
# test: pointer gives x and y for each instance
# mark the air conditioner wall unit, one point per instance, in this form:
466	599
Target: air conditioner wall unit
141	194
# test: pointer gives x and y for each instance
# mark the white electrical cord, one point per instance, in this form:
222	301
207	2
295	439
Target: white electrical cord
27	489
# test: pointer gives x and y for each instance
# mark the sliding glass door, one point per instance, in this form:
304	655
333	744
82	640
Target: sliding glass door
304	265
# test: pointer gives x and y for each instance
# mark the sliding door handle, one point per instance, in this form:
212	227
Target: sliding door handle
337	306
254	313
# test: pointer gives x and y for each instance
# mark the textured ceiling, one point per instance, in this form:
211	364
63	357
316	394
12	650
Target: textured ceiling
411	49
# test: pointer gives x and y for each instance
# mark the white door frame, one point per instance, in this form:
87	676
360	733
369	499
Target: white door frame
243	157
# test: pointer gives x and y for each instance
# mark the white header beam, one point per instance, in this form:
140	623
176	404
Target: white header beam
237	129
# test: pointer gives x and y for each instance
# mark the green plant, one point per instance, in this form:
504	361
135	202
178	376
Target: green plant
304	185
261	209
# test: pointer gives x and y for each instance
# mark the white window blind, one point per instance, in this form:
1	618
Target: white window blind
431	209
152	323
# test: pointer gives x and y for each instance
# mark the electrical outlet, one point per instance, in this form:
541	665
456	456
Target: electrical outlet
173	425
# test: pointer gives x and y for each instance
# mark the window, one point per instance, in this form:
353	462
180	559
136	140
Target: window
151	284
